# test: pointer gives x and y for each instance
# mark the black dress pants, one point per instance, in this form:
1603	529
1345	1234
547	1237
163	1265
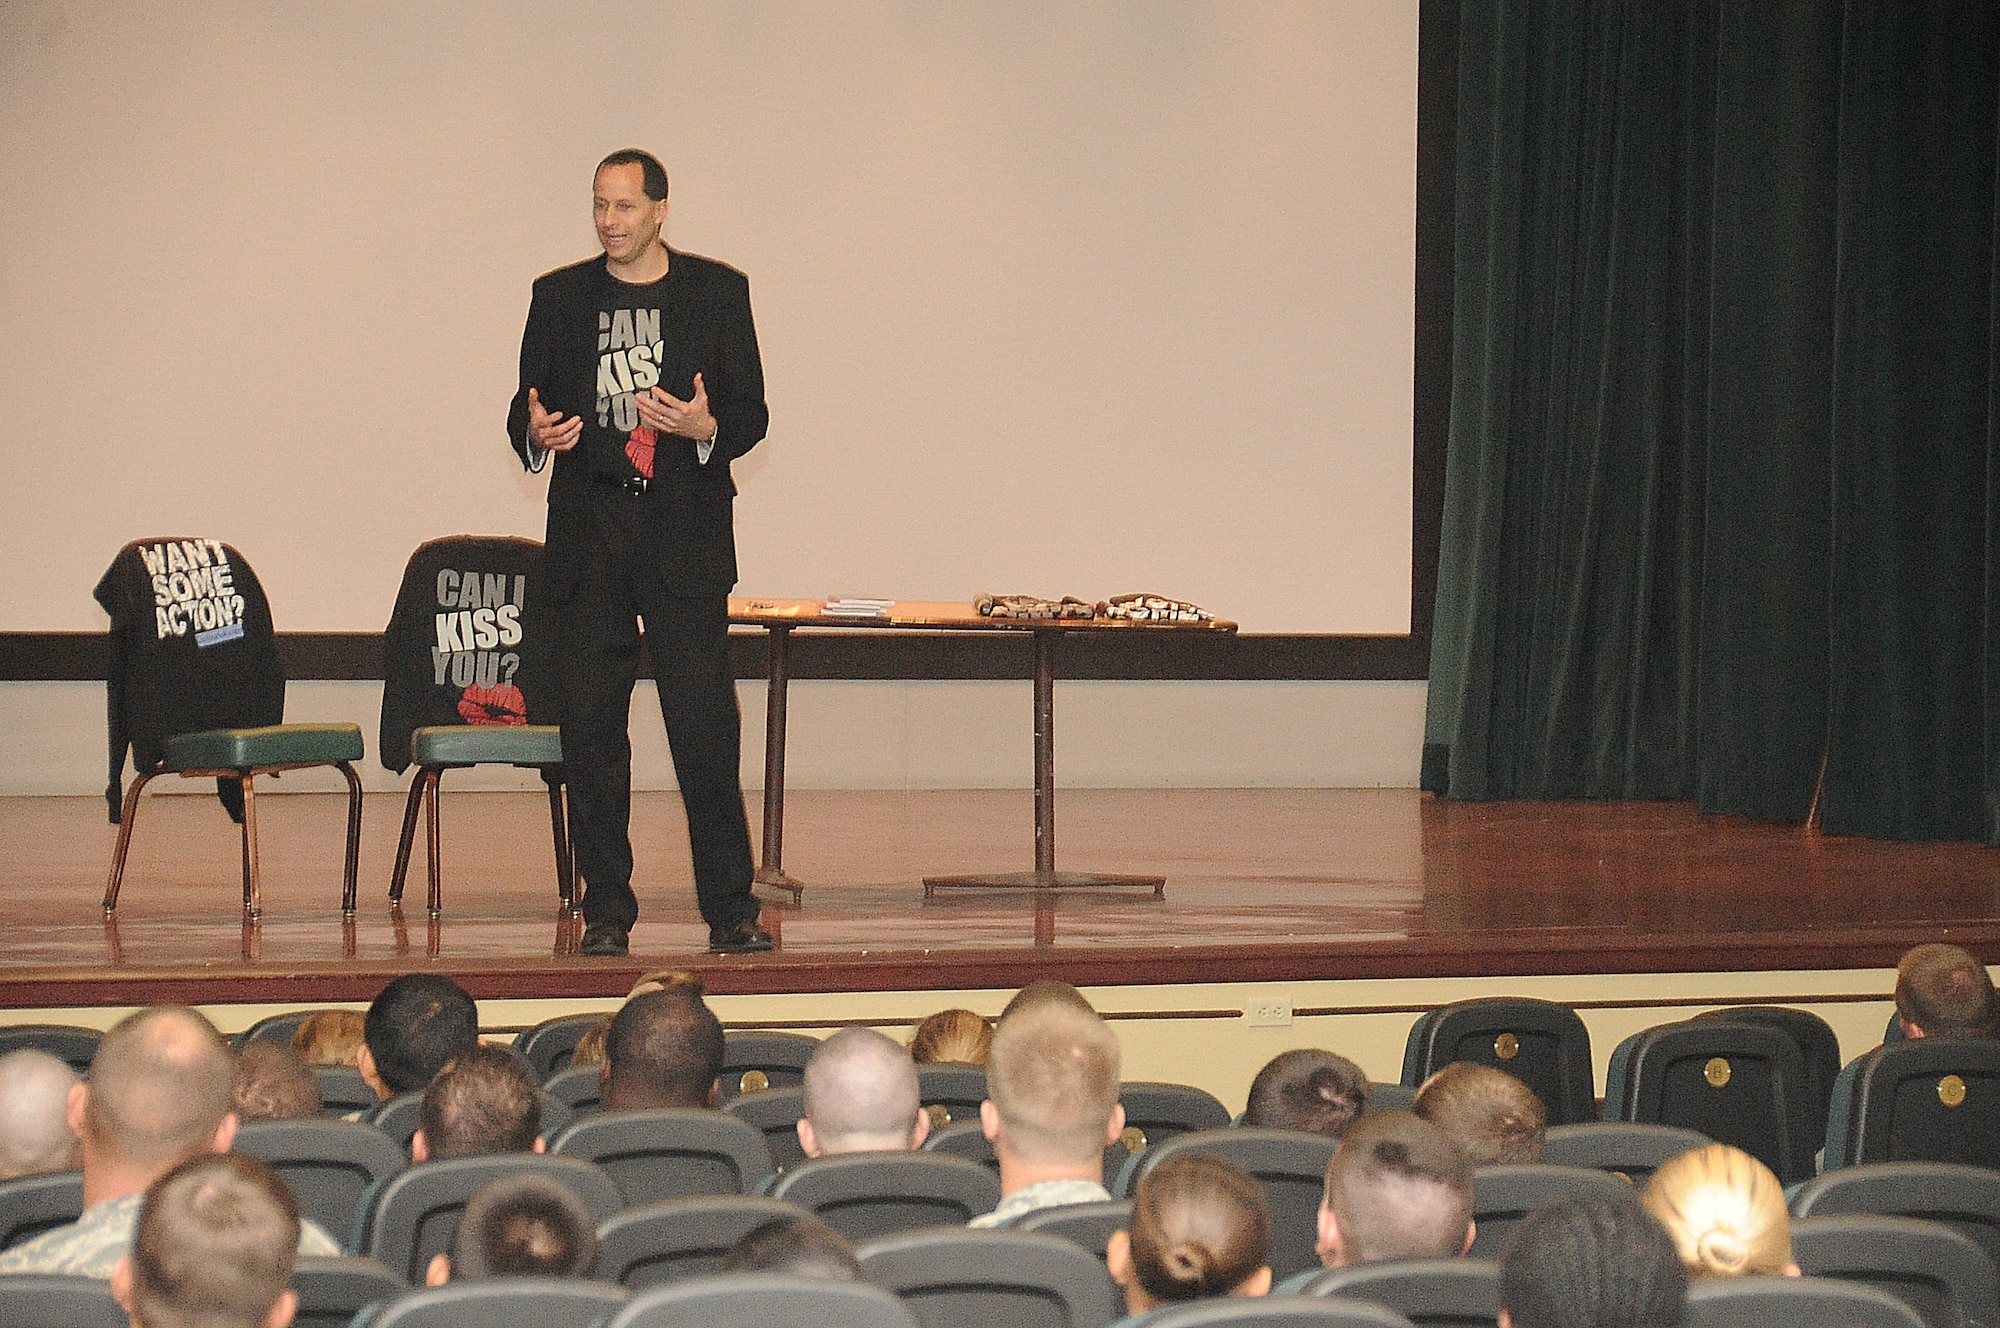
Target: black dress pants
612	583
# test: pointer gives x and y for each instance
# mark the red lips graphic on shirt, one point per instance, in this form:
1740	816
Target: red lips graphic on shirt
639	449
493	705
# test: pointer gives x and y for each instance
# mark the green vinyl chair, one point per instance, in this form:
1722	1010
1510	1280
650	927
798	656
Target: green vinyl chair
195	688
241	755
458	670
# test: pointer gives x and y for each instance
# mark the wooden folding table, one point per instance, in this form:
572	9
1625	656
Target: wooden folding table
780	617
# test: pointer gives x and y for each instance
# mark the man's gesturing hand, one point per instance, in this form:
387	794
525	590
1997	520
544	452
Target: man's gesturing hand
669	414
548	430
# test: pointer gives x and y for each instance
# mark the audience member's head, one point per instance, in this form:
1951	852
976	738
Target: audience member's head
664	1049
417	1025
1043	990
589	1050
802	1246
1052	1094
1200	1228
1591	1261
861	1096
952	1037
1310	1090
272	1083
669	979
1944	991
1725	1211
483	1102
158	1094
1397	1188
214	1247
35	1133
330	1037
1494	1117
520	1226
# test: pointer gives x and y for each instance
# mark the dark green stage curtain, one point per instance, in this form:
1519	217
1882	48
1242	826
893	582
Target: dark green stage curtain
1722	512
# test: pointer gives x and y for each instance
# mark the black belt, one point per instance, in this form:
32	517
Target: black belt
636	485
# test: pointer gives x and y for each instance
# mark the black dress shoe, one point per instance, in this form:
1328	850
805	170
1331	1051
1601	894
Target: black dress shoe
743	938
606	938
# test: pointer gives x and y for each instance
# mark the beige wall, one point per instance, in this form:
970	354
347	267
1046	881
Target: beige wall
1056	298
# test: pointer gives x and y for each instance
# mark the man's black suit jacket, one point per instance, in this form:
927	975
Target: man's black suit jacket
707	328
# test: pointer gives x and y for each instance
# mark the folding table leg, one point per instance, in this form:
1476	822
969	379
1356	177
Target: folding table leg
559	831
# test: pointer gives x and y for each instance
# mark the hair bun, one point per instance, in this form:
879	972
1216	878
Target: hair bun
1724	1252
1188	1263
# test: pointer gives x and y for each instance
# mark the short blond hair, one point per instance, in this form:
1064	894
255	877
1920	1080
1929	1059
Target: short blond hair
330	1037
160	1085
1053	1078
1725	1211
955	1036
668	979
590	1047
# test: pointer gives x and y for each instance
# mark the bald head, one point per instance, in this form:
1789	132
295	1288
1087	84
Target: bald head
1053	1082
861	1094
34	1121
159	1089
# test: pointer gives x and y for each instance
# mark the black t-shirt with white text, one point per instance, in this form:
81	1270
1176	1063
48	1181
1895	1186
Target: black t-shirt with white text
629	351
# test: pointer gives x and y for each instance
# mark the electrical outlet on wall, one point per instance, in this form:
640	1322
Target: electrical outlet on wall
1269	1012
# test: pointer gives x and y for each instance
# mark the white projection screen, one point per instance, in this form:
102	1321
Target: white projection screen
1057	298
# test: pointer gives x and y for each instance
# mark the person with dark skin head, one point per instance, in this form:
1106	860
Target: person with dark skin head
802	1246
214	1247
1309	1090
158	1094
484	1102
1944	991
1495	1117
1591	1261
519	1226
664	1049
272	1083
640	373
1397	1188
415	1026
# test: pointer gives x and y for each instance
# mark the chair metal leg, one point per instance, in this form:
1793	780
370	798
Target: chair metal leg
434	776
253	884
409	838
559	829
349	882
125	815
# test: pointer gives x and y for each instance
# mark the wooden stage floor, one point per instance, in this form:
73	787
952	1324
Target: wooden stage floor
1263	885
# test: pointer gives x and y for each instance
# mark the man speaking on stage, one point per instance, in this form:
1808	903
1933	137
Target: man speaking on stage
639	370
